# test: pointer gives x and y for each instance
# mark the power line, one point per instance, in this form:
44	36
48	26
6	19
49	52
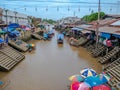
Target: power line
66	2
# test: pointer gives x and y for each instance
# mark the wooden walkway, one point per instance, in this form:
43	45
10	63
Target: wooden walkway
37	36
20	46
110	55
113	70
9	57
99	50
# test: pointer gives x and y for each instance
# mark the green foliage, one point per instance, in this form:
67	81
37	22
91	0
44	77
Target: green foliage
93	17
50	21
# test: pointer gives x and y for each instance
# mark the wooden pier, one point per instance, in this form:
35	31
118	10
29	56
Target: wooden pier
113	70
110	55
19	46
99	50
9	57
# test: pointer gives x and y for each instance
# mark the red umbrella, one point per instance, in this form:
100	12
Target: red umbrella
101	87
75	85
84	86
79	86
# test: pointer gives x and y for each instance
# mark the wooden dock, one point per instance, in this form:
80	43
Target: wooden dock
19	46
9	57
110	55
99	50
37	36
113	70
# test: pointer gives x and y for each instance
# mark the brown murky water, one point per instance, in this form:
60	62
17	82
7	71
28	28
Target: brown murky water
49	66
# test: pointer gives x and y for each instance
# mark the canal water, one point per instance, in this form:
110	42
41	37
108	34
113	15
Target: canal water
49	66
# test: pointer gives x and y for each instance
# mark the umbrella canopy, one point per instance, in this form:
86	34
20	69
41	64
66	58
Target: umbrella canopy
88	72
101	87
84	86
13	25
27	28
93	81
1	40
74	85
79	86
104	77
17	33
75	78
2	32
10	29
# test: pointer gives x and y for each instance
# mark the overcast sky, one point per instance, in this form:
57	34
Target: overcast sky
56	9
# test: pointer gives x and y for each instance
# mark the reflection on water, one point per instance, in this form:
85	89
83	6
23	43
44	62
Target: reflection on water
49	66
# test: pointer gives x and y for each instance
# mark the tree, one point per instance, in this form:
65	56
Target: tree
93	17
50	21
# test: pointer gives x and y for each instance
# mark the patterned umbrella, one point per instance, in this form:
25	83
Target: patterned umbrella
104	78
75	78
88	72
93	81
101	87
79	86
84	86
74	85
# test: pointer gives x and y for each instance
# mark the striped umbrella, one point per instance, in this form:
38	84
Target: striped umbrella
104	78
88	72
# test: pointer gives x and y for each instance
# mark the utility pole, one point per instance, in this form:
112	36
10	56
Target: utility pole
6	12
15	17
97	29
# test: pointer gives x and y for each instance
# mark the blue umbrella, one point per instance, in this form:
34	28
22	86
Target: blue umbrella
1	40
104	78
10	29
17	33
93	81
88	72
13	25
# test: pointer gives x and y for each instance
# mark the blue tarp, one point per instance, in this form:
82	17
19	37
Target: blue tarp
10	29
115	35
45	35
14	34
105	35
13	25
17	33
1	40
60	36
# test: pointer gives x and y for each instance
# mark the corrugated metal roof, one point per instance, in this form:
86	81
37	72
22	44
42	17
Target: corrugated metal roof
107	29
84	26
117	23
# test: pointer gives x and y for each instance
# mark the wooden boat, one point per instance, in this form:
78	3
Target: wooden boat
60	41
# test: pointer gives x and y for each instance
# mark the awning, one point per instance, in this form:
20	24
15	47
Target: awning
115	35
77	29
105	35
13	25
